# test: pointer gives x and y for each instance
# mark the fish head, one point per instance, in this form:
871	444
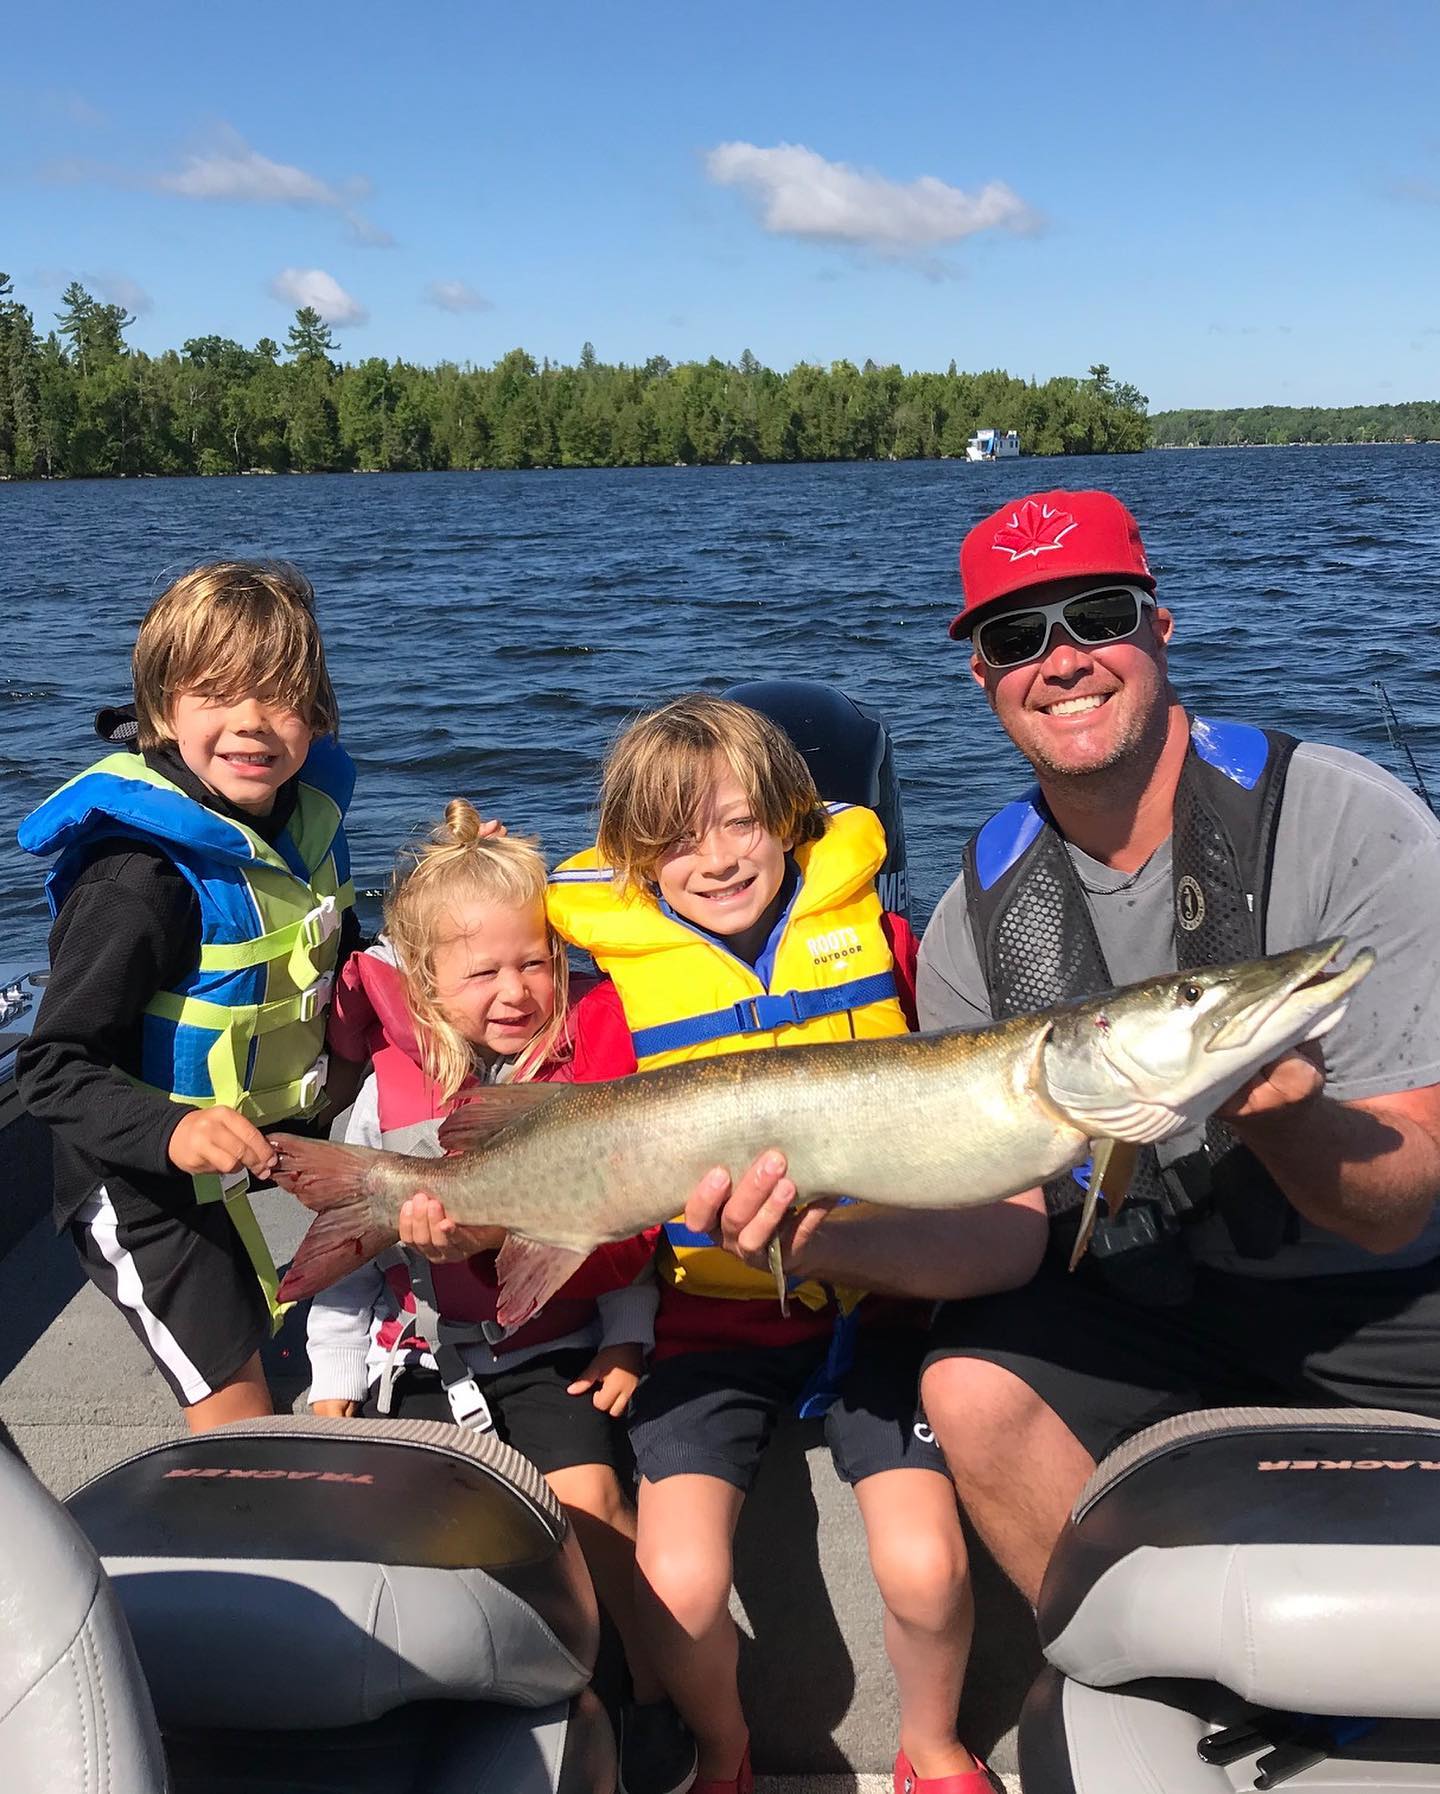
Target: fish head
1156	1058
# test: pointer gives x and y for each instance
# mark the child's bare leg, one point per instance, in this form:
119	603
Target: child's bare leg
683	1552
245	1396
918	1558
604	1523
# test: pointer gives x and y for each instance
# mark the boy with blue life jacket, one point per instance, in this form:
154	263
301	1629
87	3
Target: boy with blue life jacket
733	911
202	902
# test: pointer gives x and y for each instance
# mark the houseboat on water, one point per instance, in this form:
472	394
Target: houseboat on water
993	445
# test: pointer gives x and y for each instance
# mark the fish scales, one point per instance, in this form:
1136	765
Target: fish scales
927	1121
618	1155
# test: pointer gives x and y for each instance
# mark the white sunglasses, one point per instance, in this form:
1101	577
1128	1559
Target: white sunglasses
1108	614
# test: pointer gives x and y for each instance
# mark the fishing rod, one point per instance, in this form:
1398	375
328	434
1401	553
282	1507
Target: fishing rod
1398	743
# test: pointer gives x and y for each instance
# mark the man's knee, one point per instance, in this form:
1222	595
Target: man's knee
978	1411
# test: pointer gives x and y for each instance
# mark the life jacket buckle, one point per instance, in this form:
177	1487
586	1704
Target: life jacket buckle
757	1015
747	1015
468	1406
320	923
314	997
311	1087
234	1183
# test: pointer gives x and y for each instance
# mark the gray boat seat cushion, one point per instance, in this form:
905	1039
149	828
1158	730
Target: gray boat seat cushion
1290	1555
75	1717
1142	1740
302	1573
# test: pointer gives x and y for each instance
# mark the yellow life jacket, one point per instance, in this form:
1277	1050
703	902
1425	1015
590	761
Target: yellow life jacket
830	977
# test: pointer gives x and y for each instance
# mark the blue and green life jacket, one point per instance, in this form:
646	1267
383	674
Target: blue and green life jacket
246	1026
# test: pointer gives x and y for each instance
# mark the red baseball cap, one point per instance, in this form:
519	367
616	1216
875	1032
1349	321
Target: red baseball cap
1050	535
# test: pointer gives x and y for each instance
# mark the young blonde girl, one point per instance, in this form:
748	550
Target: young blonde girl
468	985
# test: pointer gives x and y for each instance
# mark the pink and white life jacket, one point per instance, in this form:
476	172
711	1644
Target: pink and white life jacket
371	1018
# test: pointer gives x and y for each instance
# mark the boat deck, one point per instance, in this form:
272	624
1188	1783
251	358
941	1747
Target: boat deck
77	1394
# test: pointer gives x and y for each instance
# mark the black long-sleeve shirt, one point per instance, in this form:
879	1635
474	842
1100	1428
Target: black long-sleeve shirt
129	927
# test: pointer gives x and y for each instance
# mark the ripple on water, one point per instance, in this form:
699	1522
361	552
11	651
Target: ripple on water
489	633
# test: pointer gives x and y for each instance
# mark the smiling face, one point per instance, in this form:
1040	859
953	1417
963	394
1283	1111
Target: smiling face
1076	709
244	749
726	874
494	975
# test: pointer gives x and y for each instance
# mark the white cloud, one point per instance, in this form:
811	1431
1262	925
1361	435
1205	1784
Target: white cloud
799	194
229	170
365	231
119	289
454	295
114	289
315	288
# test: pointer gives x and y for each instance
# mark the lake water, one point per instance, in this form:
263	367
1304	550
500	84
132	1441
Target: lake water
489	632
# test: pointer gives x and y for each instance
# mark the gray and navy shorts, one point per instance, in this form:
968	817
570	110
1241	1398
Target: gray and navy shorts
712	1413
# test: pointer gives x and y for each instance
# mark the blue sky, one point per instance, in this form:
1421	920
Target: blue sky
1228	203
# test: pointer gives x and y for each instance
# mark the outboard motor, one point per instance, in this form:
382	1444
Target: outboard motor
354	1605
848	750
1246	1598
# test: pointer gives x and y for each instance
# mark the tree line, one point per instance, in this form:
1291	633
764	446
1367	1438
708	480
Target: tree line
1276	425
79	402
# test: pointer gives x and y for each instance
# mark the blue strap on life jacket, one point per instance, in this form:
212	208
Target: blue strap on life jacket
758	1015
822	1389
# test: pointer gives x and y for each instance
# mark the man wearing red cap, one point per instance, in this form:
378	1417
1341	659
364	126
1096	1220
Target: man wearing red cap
1291	1252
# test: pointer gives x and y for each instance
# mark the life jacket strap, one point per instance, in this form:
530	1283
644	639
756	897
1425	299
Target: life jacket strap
468	1406
233	1189
297	1099
763	1013
296	941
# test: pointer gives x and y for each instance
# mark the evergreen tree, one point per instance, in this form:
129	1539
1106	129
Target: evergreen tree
310	338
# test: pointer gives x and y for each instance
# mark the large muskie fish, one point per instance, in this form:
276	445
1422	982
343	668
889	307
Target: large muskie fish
924	1121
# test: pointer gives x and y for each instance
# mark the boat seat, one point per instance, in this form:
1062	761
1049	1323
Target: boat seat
356	1604
75	1715
1238	1566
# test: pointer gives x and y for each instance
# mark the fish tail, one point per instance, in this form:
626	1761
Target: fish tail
330	1179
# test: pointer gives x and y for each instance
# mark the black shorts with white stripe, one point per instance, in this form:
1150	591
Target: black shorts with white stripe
184	1283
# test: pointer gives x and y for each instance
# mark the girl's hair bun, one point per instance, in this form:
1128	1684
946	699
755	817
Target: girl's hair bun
461	825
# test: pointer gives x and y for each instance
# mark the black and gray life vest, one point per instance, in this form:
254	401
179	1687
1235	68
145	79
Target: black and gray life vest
1037	946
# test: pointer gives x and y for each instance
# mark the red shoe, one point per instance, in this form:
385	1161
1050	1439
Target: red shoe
743	1782
979	1780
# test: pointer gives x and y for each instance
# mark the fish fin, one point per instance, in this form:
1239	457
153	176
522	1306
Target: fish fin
1115	1183
527	1274
777	1266
329	1178
322	1172
481	1116
1100	1151
1112	1165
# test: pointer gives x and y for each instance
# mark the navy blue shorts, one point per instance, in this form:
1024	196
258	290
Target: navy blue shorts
712	1413
530	1407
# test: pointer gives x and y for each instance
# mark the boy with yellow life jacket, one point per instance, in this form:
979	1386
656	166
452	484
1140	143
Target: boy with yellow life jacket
201	902
732	911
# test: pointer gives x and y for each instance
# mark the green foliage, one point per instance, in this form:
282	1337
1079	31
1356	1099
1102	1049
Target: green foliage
1277	425
81	403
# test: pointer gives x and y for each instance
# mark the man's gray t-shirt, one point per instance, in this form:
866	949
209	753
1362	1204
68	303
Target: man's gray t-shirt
1355	854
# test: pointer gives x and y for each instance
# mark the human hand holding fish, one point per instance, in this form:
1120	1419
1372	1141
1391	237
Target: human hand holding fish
750	1214
988	1113
1276	1091
423	1225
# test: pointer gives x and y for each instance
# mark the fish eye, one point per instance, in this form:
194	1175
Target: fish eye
1190	994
